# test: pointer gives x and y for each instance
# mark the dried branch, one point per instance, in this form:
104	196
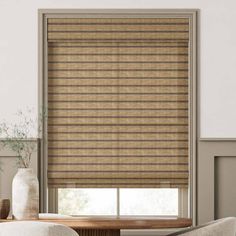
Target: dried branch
16	136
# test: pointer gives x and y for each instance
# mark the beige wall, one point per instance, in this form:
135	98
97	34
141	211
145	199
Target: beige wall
8	164
216	176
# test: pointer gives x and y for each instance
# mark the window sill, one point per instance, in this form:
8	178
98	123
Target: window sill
149	232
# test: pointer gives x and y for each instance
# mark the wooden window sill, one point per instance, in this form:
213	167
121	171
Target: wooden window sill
118	223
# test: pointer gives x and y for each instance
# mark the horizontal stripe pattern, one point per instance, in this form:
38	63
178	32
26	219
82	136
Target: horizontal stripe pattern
118	30
118	106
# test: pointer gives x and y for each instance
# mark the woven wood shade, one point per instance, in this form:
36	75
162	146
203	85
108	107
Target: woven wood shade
118	102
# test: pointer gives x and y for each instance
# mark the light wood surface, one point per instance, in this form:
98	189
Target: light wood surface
120	223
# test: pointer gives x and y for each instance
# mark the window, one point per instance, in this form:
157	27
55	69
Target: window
87	201
124	202
121	113
156	202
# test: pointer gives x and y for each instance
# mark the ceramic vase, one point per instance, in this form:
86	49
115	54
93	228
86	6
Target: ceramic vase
25	195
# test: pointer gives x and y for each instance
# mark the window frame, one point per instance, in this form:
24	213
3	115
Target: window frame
48	196
182	204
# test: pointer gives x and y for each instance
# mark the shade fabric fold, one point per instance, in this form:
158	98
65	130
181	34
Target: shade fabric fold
118	102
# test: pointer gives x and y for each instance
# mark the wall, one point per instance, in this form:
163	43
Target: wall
18	55
19	65
216	179
8	165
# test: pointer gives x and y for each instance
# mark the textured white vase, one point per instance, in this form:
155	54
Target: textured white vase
25	195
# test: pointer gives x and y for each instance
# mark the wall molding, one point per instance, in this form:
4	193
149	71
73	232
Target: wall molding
9	167
208	151
217	139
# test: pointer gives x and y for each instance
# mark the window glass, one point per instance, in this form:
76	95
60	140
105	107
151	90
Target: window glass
72	201
153	202
161	202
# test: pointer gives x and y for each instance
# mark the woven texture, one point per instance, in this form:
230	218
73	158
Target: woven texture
118	102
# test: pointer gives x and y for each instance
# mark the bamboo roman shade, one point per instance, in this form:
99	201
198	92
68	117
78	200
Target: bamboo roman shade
118	102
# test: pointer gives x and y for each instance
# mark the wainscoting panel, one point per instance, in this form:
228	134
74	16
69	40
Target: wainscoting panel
9	168
8	164
225	187
216	177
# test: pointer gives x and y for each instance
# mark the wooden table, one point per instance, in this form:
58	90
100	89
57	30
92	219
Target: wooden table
111	226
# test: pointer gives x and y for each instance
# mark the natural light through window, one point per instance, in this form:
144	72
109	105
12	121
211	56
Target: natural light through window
72	201
139	202
158	202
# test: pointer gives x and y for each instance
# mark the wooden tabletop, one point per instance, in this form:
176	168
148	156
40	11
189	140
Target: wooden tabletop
120	222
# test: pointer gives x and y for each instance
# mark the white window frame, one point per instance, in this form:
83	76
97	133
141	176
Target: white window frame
182	204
